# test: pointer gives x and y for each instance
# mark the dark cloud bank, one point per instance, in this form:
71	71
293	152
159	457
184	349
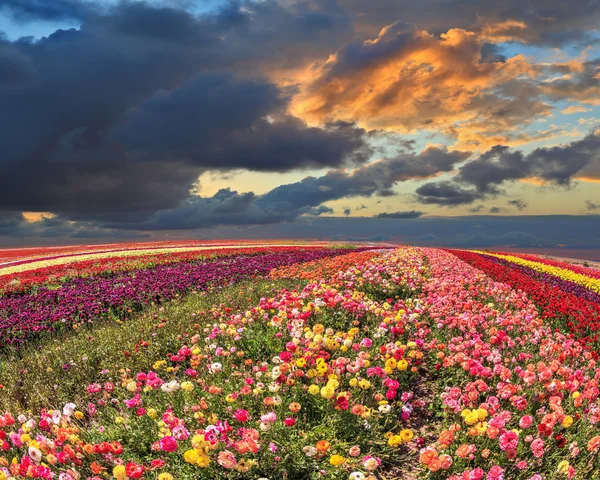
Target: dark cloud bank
109	125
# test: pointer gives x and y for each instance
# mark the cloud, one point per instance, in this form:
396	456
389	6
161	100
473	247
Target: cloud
542	22
571	109
407	79
445	193
401	215
580	82
518	204
124	113
591	206
495	210
484	176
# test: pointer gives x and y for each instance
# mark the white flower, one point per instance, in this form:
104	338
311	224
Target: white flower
170	387
56	416
22	418
357	476
215	367
385	408
35	454
68	409
264	427
309	451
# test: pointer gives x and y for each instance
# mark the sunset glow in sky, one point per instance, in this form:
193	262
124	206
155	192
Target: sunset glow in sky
266	118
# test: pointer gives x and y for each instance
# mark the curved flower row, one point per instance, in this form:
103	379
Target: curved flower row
589	271
84	300
561	308
327	391
26	265
56	274
563	273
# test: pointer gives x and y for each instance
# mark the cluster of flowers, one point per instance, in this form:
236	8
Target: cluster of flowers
520	400
322	269
40	273
315	383
566	307
87	299
568	274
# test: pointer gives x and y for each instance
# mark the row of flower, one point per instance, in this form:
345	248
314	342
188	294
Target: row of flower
583	270
13	255
568	308
84	300
306	384
585	280
42	273
520	401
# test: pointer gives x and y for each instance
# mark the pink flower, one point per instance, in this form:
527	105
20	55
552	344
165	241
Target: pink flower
289	422
495	473
509	441
168	444
241	415
537	447
526	421
227	459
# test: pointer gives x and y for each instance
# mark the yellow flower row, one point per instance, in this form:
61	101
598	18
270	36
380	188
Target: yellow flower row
97	256
562	273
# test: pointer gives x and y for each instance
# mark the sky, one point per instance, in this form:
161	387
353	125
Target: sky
437	122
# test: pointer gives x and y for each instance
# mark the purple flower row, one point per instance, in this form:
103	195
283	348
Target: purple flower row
89	299
564	285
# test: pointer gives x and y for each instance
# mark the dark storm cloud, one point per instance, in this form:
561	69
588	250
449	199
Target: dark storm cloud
485	175
551	22
401	215
45	9
445	193
123	114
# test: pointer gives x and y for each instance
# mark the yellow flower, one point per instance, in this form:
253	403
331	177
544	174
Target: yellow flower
119	472
191	456
203	461
395	441
131	386
327	392
353	382
187	386
471	418
407	435
336	460
364	384
576	395
152	413
78	415
301	362
563	467
567	421
313	389
481	414
165	476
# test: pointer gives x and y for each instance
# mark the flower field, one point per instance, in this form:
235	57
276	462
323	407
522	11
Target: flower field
301	362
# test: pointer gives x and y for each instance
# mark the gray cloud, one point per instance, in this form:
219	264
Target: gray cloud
591	206
485	175
518	204
401	215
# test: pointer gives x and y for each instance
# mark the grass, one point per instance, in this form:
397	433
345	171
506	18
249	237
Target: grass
57	370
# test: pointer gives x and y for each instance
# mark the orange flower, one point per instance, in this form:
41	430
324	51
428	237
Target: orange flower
96	468
427	456
462	451
446	438
323	445
593	444
295	407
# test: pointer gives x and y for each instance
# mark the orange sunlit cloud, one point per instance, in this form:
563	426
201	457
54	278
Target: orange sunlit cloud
408	79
